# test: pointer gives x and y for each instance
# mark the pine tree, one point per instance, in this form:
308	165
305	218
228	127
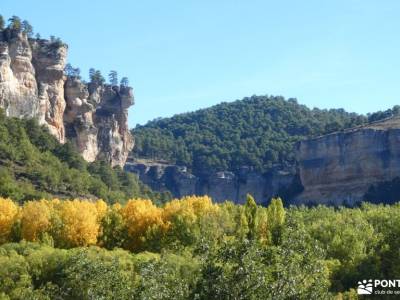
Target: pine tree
15	23
27	28
71	71
2	22
92	73
124	81
113	78
99	79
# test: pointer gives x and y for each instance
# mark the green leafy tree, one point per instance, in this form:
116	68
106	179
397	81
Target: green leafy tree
169	277
276	219
251	213
87	277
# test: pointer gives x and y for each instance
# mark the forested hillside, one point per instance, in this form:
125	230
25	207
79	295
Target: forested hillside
259	131
193	249
34	165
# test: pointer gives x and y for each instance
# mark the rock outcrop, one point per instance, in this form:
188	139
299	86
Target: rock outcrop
33	84
339	168
221	186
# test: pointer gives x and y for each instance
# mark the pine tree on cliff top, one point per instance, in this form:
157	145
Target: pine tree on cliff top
2	22
113	77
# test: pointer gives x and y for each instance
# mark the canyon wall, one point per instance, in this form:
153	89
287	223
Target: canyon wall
220	186
335	169
339	168
33	84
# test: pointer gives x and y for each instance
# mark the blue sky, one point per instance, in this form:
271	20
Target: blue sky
183	55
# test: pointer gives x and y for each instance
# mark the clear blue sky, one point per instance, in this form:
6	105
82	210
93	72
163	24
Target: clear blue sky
185	55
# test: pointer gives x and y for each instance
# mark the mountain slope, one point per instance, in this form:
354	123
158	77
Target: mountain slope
34	165
259	131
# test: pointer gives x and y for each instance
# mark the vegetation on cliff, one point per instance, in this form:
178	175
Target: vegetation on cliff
259	131
34	165
192	249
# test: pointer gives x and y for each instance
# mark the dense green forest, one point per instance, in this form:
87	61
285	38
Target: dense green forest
259	131
193	249
34	165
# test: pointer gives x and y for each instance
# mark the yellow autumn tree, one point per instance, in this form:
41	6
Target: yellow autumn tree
101	208
79	223
187	218
8	215
143	220
190	207
35	219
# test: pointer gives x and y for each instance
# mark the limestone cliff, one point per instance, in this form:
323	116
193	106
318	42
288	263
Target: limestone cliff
33	84
221	186
340	168
333	169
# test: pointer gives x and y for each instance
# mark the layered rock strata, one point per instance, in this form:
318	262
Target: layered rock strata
339	168
221	186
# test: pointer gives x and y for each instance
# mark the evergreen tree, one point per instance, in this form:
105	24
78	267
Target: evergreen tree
71	71
99	79
92	73
113	78
27	28
96	77
124	81
2	22
15	23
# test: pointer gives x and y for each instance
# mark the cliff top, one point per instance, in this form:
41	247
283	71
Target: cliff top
385	124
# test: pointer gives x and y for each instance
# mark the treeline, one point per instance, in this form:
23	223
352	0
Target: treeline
34	165
259	131
194	249
16	25
139	225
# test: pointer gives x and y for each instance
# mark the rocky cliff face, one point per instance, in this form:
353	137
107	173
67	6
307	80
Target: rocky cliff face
220	186
340	168
334	169
33	84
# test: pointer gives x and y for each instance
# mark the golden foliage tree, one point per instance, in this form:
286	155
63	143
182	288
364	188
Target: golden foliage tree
142	219
79	223
184	217
8	215
35	219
